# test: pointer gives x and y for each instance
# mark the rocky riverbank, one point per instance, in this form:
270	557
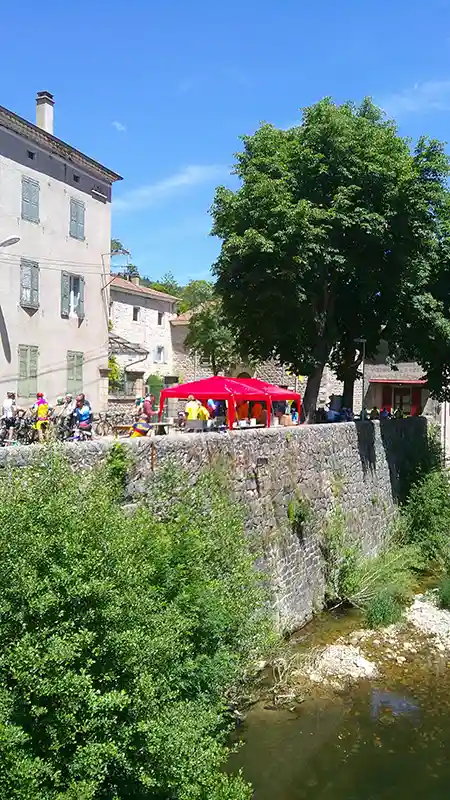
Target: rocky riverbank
368	654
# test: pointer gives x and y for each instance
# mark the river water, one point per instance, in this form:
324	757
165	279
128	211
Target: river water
382	740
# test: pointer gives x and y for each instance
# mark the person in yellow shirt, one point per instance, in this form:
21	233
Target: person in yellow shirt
203	413
191	408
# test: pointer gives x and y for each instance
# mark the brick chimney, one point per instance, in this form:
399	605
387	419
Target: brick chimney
44	111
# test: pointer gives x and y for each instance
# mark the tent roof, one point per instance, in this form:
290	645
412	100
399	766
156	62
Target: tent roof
270	388
216	387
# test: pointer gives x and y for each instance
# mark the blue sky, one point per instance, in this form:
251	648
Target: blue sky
160	92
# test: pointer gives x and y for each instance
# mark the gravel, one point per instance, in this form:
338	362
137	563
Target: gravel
431	620
343	661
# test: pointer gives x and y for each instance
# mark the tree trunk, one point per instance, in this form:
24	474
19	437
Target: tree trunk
347	396
312	393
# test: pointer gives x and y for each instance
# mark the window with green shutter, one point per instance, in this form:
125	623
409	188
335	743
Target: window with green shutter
72	295
30	199
77	211
29	284
75	362
28	370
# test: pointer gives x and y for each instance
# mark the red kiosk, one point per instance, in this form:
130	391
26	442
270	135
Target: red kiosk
231	390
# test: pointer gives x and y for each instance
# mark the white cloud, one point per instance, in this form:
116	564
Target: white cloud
184	179
119	126
419	99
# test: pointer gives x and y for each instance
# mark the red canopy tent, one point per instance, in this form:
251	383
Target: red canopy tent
230	390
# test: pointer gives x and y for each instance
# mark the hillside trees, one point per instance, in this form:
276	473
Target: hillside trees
331	236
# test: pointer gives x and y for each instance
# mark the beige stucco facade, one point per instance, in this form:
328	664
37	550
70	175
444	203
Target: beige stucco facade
46	243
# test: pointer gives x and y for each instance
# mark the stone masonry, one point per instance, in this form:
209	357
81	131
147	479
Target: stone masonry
356	468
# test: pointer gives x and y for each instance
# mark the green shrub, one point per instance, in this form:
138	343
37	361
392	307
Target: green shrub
119	636
427	518
356	579
299	512
444	593
118	462
383	609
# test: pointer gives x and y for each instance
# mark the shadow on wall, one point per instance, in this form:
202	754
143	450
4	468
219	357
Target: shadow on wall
366	446
407	449
406	446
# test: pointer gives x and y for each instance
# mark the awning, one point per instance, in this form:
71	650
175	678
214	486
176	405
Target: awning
120	346
399	381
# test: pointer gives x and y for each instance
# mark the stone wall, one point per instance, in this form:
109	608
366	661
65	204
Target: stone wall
358	468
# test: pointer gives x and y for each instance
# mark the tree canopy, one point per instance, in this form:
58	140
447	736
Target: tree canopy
211	338
331	236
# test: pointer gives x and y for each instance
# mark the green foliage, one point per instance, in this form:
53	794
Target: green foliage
211	337
117	248
444	593
119	636
114	373
299	512
167	284
118	463
383	609
195	294
358	580
426	518
155	384
315	205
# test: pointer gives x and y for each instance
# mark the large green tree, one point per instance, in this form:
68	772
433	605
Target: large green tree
211	338
331	232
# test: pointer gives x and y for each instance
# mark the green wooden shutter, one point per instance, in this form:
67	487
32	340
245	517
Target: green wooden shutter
33	370
26	199
76	219
80	220
80	309
29	284
65	294
35	286
22	388
73	219
71	373
30	200
79	359
34	197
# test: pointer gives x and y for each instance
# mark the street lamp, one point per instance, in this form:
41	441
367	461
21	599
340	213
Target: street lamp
363	342
10	241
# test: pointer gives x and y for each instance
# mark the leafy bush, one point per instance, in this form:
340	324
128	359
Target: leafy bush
119	636
444	593
427	517
118	463
358	580
383	609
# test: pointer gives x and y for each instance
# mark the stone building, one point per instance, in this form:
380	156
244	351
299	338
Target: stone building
55	213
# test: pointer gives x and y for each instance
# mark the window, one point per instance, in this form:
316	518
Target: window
159	355
31	155
76	219
136	314
29	284
74	372
28	363
160	317
76	178
30	199
72	295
